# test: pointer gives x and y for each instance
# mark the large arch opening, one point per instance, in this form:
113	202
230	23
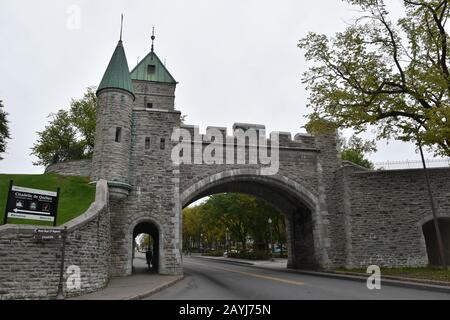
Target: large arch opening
145	248
296	205
429	232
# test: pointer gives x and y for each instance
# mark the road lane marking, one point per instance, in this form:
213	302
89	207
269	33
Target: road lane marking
255	275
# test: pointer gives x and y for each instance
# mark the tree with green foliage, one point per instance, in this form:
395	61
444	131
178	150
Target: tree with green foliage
192	227
70	134
394	76
58	142
83	117
4	129
240	216
355	149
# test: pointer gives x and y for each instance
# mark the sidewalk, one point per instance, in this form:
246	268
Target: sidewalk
141	284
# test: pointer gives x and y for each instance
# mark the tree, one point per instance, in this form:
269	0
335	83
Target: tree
354	150
4	129
392	76
83	117
70	134
58	142
192	227
241	216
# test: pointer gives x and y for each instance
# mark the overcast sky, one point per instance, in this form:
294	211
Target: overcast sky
235	60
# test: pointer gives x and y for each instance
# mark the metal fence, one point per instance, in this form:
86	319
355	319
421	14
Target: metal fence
408	164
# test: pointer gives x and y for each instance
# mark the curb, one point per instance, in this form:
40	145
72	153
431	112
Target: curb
225	261
389	281
155	290
405	279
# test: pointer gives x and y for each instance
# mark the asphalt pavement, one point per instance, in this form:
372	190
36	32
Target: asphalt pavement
215	280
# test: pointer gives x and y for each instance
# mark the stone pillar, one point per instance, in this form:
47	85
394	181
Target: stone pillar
328	162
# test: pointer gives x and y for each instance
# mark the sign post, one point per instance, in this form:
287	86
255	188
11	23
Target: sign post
5	219
31	204
56	206
60	295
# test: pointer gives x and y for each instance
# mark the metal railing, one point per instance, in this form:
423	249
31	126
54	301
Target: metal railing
412	164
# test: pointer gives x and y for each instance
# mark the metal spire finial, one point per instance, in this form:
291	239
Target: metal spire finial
121	27
153	39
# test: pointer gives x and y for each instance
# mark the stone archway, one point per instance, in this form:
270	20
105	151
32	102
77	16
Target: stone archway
429	233
150	228
295	202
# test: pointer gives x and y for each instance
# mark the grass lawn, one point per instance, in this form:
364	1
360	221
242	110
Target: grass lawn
75	196
428	273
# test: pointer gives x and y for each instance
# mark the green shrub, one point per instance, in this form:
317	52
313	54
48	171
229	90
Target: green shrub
250	255
214	253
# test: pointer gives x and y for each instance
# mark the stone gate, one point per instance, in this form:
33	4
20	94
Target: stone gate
134	149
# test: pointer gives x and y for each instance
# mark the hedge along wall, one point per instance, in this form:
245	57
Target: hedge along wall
29	269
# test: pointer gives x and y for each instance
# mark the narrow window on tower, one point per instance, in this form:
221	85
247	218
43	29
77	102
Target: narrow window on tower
163	144
149	105
151	68
118	134
147	143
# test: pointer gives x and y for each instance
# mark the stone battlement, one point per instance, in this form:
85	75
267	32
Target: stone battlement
300	140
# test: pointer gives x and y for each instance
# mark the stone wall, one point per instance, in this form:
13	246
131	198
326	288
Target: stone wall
385	211
29	269
160	95
80	168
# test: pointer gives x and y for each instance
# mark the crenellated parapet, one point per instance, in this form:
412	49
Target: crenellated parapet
285	140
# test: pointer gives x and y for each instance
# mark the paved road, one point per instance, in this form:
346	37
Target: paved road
209	280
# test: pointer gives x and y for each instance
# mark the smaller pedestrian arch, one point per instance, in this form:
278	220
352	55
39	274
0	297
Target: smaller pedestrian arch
150	228
429	234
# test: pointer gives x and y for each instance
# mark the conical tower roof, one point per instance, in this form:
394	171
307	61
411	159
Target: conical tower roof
117	75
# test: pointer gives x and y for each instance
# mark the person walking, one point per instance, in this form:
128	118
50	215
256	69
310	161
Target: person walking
149	258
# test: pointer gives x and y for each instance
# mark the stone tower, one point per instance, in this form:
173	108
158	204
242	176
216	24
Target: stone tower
135	119
112	149
153	84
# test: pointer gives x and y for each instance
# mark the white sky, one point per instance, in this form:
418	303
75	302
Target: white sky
236	60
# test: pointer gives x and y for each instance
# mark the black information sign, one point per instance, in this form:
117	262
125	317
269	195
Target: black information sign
47	234
31	204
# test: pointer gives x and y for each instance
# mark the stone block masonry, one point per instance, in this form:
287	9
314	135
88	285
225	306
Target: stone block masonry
80	168
384	212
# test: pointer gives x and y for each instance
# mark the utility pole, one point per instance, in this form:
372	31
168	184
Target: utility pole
433	209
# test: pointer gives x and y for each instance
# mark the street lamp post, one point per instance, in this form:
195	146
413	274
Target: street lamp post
201	243
227	242
271	240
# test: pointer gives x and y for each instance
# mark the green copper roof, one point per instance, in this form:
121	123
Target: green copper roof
117	75
152	69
